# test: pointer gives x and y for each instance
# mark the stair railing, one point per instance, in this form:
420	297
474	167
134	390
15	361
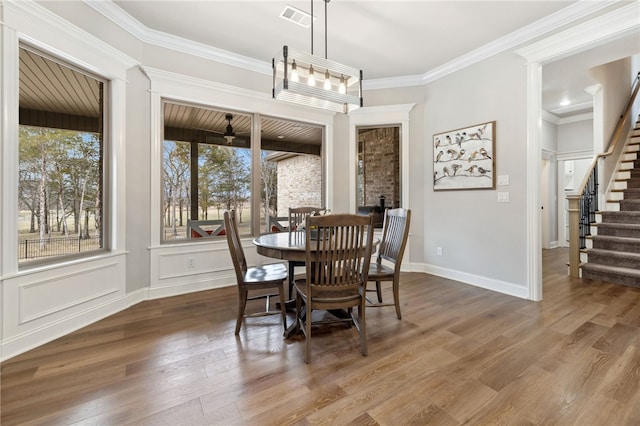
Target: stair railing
584	204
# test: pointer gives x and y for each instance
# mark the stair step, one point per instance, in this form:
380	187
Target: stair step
620	217
631	193
608	242
617	229
613	258
629	205
633	183
616	275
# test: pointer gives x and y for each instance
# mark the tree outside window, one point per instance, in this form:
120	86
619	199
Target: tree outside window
60	160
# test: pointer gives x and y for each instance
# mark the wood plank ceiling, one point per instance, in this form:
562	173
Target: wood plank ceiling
59	96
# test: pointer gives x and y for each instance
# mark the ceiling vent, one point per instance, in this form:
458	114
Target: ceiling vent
297	16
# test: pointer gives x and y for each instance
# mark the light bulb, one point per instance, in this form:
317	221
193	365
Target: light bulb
312	80
342	88
327	81
294	71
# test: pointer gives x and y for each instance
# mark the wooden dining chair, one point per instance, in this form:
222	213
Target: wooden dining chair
395	231
255	278
337	262
296	216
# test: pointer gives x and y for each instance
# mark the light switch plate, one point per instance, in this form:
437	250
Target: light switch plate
503	197
503	180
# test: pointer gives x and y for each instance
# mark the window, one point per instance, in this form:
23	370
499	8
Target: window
209	167
291	170
61	159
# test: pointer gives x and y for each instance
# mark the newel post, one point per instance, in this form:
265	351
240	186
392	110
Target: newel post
574	235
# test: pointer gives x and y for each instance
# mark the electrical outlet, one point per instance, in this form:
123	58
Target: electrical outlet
439	251
191	263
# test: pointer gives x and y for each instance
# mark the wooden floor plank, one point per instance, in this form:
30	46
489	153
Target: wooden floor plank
460	355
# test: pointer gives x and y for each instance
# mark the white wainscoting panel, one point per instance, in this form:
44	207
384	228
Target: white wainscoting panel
185	268
64	291
44	304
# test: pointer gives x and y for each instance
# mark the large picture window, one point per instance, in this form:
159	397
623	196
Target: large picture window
61	159
213	162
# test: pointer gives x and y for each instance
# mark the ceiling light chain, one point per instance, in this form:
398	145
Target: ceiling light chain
345	96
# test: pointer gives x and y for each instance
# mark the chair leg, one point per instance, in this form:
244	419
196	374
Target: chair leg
396	297
363	327
307	341
242	302
283	308
291	274
379	291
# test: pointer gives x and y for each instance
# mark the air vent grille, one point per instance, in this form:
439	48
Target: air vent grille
297	16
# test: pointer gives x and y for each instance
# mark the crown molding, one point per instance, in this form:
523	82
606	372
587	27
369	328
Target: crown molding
566	16
536	29
393	82
581	36
157	38
549	117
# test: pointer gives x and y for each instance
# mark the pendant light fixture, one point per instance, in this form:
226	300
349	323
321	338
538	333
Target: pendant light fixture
295	73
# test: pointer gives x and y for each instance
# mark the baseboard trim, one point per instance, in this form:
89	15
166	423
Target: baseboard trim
474	280
51	331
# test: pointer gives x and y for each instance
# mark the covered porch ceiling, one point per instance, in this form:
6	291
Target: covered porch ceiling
58	96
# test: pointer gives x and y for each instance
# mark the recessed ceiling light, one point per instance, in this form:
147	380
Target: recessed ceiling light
297	16
280	136
565	102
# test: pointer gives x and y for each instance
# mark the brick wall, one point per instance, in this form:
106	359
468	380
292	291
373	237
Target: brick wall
299	182
380	154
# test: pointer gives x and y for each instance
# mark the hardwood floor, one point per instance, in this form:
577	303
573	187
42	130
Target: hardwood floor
459	355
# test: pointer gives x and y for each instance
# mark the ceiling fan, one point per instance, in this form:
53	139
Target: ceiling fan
229	134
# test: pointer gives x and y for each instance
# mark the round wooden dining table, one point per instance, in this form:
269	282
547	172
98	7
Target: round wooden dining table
287	245
282	245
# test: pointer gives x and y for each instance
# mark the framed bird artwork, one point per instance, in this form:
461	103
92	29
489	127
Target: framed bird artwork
465	158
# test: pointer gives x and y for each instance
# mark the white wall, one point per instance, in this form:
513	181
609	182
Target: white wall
549	136
549	184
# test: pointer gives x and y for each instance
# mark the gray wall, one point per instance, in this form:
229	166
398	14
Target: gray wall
575	137
478	235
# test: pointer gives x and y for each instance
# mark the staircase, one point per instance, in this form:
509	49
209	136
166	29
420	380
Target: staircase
613	249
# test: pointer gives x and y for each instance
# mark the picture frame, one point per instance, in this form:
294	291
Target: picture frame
465	158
